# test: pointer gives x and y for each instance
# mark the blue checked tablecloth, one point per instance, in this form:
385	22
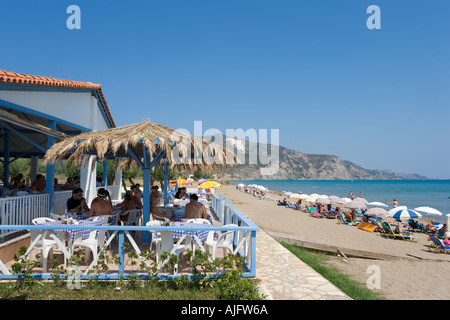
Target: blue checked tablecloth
73	232
78	216
201	234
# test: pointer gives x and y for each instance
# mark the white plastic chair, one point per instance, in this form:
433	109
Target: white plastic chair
225	241
193	246
104	219
199	220
41	220
46	244
156	237
133	217
57	216
96	239
115	219
166	245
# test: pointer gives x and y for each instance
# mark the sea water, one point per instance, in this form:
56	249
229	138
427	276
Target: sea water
410	193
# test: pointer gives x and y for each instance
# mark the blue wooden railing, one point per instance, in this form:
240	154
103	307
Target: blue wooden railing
244	240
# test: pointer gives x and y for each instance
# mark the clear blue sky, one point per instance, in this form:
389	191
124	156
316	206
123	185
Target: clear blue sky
312	69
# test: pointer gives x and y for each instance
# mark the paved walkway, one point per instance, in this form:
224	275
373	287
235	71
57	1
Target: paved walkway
285	277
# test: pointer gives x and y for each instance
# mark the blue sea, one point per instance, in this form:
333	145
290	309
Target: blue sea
410	193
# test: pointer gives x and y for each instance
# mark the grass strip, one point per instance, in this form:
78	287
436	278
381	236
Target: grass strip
317	260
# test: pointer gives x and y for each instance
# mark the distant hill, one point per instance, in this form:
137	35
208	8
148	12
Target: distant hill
295	165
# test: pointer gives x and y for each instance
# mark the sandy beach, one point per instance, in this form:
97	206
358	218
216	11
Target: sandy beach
408	270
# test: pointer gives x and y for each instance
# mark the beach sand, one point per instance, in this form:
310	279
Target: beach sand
412	271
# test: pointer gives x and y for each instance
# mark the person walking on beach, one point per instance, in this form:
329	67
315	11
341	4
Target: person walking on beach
352	196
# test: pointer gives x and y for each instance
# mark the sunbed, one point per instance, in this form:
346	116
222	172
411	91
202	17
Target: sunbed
438	245
389	232
313	212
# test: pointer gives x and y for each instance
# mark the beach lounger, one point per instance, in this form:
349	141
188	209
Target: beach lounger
379	228
415	226
389	232
341	219
313	212
438	246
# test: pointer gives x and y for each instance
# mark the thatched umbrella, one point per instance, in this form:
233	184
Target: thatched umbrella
144	144
181	150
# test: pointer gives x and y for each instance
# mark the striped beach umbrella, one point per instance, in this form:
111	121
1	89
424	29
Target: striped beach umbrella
406	214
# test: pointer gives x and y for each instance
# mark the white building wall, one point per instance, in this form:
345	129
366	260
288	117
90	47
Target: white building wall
79	108
73	107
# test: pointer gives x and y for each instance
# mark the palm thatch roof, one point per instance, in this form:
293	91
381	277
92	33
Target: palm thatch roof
182	150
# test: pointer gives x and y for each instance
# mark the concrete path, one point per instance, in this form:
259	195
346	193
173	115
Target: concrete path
285	277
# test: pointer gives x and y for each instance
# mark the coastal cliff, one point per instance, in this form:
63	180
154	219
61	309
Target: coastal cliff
295	165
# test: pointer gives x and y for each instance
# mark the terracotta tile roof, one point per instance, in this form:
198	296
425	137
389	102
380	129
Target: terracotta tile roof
20	78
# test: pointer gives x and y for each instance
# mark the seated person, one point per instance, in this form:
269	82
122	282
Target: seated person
181	193
323	209
69	184
128	204
430	227
348	216
194	209
154	202
56	186
18	182
77	203
99	205
38	186
136	191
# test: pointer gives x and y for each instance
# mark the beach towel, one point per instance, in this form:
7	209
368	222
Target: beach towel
367	226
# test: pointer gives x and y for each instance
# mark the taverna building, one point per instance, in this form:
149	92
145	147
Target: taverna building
35	113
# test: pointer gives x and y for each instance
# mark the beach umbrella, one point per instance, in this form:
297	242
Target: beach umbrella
323	201
428	210
295	196
241	185
394	210
376	212
322	196
303	196
314	195
361	199
346	200
209	185
406	214
355	204
287	194
375	203
336	199
311	199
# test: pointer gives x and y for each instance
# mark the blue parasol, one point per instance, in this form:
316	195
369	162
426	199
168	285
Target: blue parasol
406	214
